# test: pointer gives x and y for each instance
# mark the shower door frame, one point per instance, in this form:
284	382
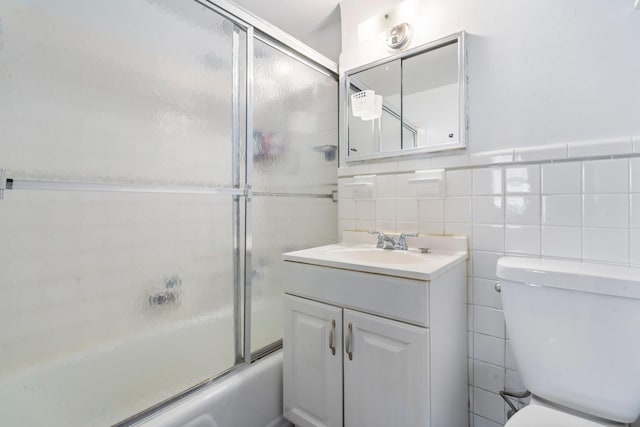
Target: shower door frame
255	29
242	176
241	188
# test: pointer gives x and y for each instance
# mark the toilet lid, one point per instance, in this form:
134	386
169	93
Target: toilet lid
536	416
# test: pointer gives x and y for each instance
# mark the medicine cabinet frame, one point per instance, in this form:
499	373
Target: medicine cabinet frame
463	110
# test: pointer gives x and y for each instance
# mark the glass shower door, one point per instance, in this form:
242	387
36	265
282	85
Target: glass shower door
294	171
119	292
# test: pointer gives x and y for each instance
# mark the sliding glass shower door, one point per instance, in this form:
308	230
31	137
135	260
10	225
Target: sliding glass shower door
120	292
294	173
156	158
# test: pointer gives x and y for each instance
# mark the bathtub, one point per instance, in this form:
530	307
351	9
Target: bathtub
248	397
86	388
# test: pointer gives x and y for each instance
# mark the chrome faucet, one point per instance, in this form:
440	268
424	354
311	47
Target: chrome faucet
387	242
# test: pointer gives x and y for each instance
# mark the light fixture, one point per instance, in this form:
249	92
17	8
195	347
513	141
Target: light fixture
394	24
399	36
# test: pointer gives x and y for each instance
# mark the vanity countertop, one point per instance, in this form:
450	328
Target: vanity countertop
358	252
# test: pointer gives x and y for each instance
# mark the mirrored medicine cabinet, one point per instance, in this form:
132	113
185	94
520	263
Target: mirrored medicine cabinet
412	102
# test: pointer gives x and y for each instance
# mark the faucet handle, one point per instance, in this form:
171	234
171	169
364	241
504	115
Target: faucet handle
402	241
408	234
381	237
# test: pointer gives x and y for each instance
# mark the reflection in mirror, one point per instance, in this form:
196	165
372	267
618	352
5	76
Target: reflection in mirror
430	98
367	134
423	102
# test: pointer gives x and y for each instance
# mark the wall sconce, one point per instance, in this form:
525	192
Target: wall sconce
393	24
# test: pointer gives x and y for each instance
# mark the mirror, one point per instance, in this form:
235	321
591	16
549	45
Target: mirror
413	102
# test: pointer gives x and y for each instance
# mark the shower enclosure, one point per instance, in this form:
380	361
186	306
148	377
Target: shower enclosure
156	158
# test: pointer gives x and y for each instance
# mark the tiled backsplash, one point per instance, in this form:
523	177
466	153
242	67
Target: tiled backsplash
586	209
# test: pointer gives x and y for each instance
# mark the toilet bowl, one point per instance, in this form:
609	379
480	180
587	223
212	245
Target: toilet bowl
573	328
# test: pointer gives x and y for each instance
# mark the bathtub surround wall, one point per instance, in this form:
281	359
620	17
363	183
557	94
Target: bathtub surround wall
571	201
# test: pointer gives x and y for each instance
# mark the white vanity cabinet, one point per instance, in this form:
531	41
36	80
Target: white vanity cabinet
384	372
313	360
382	362
365	349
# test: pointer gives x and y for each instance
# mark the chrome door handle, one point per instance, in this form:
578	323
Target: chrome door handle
347	342
332	343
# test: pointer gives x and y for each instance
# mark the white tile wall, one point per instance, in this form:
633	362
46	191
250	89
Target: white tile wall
522	179
605	210
488	377
634	219
459	182
488	237
487	181
634	172
488	405
562	209
608	245
522	239
458	209
561	178
585	210
561	242
488	209
606	176
524	210
489	349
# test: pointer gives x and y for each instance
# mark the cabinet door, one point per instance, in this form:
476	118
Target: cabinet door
312	363
386	372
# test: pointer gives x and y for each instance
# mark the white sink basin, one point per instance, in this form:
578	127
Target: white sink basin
373	255
358	252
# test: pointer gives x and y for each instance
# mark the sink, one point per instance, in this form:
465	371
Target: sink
373	255
358	252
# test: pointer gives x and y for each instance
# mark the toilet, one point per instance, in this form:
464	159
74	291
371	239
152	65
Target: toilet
574	329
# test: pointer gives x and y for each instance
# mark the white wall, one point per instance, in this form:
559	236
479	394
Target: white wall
434	112
539	72
552	85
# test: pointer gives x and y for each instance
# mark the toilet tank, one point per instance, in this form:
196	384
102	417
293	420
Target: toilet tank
575	333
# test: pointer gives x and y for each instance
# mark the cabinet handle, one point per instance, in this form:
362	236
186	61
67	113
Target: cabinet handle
347	342
332	343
